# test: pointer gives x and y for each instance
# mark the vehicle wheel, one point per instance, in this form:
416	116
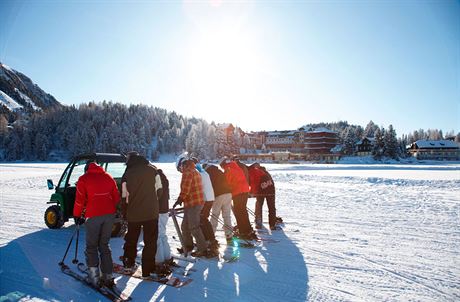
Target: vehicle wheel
53	217
116	228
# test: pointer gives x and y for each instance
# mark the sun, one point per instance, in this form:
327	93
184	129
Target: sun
223	58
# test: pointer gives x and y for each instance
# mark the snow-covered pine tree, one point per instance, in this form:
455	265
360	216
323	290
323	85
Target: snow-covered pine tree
370	129
211	134
221	142
391	143
350	139
378	148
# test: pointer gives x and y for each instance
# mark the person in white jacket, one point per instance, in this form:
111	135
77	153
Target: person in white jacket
205	225
223	202
163	256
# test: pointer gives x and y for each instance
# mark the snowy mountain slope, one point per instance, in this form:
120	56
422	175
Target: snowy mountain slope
27	99
9	102
350	235
23	91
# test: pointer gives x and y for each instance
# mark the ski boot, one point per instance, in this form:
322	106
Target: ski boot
258	223
93	276
107	280
129	265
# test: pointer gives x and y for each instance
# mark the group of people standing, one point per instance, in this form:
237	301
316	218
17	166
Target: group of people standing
205	190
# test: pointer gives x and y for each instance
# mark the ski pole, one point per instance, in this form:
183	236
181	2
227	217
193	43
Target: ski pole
75	260
251	212
67	250
226	226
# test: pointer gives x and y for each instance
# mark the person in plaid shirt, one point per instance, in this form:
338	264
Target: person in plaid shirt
192	196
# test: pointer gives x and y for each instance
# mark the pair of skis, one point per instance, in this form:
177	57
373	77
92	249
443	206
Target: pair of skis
169	280
223	258
111	293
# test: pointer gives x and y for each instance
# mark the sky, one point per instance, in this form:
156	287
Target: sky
264	65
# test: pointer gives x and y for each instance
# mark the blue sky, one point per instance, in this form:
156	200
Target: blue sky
265	65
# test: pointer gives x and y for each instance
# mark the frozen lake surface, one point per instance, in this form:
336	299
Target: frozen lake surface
351	233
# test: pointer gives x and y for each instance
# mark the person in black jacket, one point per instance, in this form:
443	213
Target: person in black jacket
223	200
141	190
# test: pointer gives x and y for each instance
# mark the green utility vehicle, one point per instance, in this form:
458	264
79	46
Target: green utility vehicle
63	198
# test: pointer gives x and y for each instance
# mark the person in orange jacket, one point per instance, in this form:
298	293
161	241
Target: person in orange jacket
96	201
240	188
191	195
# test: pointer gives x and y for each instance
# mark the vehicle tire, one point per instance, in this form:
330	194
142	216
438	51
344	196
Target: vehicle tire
53	217
116	228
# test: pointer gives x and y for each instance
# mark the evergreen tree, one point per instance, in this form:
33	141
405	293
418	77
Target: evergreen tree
378	148
350	139
391	143
221	142
370	129
27	144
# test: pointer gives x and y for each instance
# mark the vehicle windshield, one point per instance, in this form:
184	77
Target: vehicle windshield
77	171
115	169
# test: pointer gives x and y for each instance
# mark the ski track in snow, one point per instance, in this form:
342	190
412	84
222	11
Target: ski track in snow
377	238
362	233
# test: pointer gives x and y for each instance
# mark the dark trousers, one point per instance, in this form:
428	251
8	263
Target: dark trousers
205	225
241	213
191	228
271	209
98	231
150	230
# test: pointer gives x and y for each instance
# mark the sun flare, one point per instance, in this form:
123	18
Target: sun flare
222	62
223	56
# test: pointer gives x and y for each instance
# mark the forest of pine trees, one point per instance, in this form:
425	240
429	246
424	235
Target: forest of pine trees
109	127
62	132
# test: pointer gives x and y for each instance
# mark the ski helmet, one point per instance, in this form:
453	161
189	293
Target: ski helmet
181	160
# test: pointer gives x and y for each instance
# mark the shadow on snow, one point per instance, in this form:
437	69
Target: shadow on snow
269	272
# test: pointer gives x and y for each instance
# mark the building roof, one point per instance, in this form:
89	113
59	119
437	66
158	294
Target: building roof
292	132
225	125
370	139
321	129
283	133
427	144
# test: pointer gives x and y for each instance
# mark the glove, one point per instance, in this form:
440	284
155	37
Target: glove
79	220
177	203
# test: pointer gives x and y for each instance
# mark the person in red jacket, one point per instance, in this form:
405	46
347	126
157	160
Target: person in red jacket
262	187
240	188
96	200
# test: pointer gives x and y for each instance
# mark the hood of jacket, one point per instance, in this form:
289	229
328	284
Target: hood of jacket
95	168
136	160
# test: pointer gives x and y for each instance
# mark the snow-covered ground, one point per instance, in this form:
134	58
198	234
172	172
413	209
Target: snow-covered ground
352	233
